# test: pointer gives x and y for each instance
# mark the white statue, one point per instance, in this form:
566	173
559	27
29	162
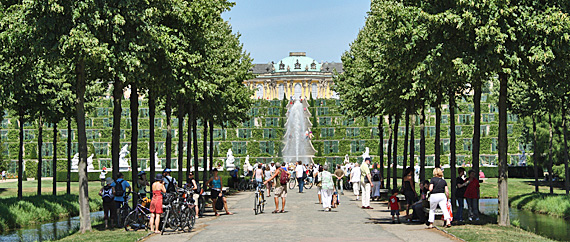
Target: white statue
246	165
123	162
156	161
366	154
90	162
230	160
346	159
75	162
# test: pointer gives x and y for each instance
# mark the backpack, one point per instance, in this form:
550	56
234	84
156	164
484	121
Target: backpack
375	175
219	204
107	194
171	186
234	173
283	178
119	189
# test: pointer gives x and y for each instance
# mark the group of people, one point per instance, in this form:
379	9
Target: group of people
114	194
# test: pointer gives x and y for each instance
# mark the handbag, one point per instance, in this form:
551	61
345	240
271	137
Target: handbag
450	210
220	203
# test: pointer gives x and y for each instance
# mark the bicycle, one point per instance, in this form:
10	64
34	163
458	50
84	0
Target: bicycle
179	211
259	202
123	210
246	185
308	183
138	218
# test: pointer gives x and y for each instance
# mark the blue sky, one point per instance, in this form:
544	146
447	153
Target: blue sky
270	29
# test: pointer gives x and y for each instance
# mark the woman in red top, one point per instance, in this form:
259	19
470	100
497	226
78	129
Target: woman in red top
156	203
472	196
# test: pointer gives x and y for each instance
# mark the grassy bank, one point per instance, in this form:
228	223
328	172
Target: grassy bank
30	210
29	188
554	205
488	230
100	234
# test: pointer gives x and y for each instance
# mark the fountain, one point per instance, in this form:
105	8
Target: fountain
298	146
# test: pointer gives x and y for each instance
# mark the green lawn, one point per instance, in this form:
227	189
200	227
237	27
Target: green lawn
10	189
100	234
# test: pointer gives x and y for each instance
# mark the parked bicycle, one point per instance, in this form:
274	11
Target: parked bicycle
123	210
259	201
139	217
179	212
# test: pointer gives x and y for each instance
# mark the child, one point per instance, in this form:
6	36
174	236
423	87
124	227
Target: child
109	211
394	205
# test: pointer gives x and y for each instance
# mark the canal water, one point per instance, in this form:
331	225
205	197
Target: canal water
47	231
545	225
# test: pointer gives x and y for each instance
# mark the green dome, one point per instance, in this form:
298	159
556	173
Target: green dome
297	63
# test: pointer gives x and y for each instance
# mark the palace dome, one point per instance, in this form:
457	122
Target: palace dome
295	62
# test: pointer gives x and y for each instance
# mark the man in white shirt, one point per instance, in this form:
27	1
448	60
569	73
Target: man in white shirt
272	167
299	171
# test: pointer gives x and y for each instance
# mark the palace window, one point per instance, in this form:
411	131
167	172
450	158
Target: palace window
357	146
47	149
102	112
4	135
467	144
244	133
271	122
330	146
269	134
29	134
322	111
101	148
352	132
327	132
326	121
239	147
266	147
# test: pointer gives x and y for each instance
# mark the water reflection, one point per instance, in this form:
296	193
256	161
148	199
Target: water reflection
48	231
545	225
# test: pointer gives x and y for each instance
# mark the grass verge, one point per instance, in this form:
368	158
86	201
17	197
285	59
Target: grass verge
554	205
487	230
100	234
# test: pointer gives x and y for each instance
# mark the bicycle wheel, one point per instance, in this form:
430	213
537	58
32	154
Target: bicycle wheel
191	218
262	203
131	220
122	215
292	183
308	184
164	222
201	206
255	203
243	185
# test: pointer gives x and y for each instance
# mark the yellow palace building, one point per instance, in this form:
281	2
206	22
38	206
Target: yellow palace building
295	76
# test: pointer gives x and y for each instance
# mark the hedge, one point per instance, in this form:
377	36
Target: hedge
94	176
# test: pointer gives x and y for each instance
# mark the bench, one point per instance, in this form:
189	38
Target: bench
208	193
481	180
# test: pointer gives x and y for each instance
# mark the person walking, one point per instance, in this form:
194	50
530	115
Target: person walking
300	173
355	179
102	176
281	177
107	194
472	196
215	183
376	178
339	175
327	189
319	182
365	183
156	203
142	183
461	182
267	173
439	193
409	190
169	182
4	173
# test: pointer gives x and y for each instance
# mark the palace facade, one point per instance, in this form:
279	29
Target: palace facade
294	76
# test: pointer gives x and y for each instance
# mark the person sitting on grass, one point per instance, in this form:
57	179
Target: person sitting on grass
107	194
394	205
156	203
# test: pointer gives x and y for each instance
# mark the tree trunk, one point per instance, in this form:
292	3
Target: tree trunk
40	144
503	218
206	173
151	124
211	125
168	110
452	155
195	146
535	153
395	153
438	131
189	146
406	136
181	113
54	160
134	103
68	155
21	155
116	133
423	144
388	167
550	162
381	146
476	127
565	131
84	213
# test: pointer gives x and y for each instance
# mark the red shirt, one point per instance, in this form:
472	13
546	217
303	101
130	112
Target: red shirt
394	205
472	190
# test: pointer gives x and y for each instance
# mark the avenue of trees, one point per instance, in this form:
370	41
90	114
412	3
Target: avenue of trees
57	57
413	54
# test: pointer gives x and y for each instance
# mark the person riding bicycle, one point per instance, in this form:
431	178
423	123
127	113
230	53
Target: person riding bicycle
121	186
170	182
258	175
142	183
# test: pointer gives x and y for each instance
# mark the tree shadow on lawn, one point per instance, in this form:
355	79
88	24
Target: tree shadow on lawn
3	190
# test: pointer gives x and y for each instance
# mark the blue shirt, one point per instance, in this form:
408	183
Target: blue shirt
125	185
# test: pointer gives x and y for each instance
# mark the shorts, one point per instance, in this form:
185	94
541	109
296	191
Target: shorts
394	212
215	194
319	190
281	191
195	197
